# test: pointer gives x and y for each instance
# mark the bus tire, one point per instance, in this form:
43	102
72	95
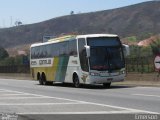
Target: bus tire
39	79
107	85
43	79
76	81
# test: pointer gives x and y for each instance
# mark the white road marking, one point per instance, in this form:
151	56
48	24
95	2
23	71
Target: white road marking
35	104
43	96
78	101
5	90
22	98
12	94
146	95
1	91
73	113
117	107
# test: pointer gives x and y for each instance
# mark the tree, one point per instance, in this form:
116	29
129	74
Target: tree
155	45
3	53
132	39
72	13
18	23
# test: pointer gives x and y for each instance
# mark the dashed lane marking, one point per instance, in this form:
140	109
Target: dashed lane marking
146	95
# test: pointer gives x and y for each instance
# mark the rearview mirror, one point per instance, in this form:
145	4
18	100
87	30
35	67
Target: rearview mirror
126	50
87	50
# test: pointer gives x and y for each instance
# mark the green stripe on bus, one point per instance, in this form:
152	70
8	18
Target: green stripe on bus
62	68
55	67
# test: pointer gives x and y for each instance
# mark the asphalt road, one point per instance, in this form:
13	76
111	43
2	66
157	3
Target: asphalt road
29	100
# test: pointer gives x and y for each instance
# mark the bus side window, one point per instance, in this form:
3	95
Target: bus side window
72	48
48	51
32	53
63	48
42	51
54	49
36	52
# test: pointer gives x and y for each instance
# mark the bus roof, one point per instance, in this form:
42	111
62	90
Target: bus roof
96	35
69	37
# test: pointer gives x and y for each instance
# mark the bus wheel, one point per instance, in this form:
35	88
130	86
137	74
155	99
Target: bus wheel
39	79
76	81
43	79
107	85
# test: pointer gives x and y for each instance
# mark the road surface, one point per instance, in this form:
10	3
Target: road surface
29	100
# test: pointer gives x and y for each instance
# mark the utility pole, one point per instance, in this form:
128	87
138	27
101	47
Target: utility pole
11	21
3	23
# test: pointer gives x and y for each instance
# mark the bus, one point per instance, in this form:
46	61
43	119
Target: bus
79	59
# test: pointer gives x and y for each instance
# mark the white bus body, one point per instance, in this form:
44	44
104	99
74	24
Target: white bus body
81	59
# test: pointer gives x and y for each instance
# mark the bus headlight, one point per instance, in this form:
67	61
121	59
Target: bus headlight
122	72
94	74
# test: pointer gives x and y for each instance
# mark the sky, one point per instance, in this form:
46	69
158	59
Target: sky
34	11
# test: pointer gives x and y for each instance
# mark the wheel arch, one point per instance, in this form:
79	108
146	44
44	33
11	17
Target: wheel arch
75	73
43	75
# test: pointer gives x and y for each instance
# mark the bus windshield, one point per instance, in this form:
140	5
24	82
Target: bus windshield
106	54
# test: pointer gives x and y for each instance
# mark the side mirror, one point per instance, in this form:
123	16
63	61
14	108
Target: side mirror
126	50
87	50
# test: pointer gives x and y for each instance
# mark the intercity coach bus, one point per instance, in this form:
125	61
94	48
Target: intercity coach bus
79	59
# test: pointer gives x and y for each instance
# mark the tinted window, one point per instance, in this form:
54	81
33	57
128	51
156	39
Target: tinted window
48	51
56	49
36	52
106	58
42	51
72	47
63	48
103	41
32	53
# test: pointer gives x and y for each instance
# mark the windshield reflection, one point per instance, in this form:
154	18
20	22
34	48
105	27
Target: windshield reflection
106	58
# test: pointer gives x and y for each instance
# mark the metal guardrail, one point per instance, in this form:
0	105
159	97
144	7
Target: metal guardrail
15	69
140	64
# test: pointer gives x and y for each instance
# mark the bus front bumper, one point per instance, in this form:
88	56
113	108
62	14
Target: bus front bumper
100	80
